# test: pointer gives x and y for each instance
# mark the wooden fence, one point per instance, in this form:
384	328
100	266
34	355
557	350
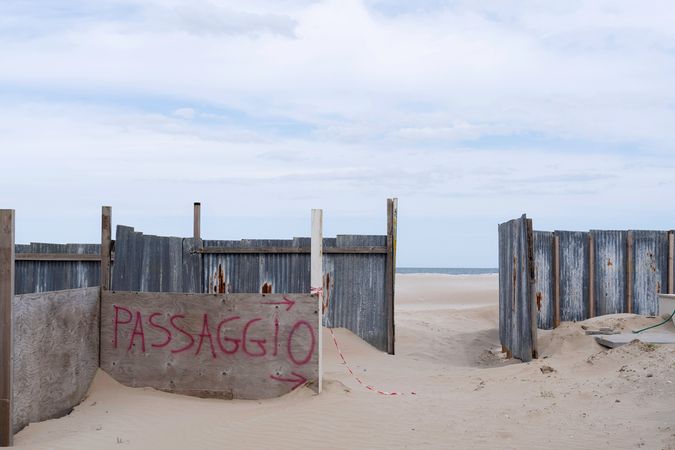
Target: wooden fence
579	275
517	305
269	340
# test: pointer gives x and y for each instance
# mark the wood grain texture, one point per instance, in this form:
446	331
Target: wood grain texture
55	352
106	244
650	270
56	257
609	271
197	221
574	275
390	276
6	321
316	277
543	278
517	307
211	345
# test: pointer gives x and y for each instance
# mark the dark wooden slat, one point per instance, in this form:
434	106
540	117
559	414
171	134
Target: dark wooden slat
392	211
292	250
6	327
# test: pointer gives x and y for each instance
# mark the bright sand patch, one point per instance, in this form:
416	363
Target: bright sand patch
448	354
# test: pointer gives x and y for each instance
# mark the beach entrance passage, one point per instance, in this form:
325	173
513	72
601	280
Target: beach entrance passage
247	346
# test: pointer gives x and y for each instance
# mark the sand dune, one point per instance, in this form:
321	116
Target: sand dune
466	394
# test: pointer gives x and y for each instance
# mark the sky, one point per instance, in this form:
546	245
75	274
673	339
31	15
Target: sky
471	113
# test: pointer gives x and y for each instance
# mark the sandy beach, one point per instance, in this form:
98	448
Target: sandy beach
457	390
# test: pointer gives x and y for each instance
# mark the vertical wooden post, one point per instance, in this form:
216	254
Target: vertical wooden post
390	276
556	281
197	226
6	332
671	269
316	279
591	276
106	244
629	272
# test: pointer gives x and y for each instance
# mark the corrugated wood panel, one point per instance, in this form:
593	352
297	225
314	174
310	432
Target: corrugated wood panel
44	276
56	337
353	283
650	265
358	300
610	271
517	324
543	278
248	346
148	263
573	275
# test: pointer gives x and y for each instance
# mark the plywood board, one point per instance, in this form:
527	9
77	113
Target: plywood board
247	346
55	352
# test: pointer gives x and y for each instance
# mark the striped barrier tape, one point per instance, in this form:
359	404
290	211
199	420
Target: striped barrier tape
351	372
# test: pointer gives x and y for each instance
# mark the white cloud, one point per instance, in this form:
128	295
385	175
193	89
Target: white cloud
465	109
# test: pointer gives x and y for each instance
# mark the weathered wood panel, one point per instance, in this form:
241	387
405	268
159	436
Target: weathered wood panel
609	271
150	263
37	275
354	282
248	346
573	275
543	278
6	319
55	352
650	270
517	305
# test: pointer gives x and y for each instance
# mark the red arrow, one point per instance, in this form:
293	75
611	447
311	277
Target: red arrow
298	379
287	301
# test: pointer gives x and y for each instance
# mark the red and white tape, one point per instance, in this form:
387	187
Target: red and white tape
367	386
316	290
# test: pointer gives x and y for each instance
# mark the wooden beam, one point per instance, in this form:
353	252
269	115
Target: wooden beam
629	272
106	244
556	281
6	327
197	225
316	279
74	257
671	269
390	276
591	276
292	250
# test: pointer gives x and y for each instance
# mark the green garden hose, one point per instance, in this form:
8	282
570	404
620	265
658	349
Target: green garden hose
657	325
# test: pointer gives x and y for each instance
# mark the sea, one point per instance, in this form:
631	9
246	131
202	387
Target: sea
449	270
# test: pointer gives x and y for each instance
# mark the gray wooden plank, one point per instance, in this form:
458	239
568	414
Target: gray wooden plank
573	275
650	266
543	278
610	271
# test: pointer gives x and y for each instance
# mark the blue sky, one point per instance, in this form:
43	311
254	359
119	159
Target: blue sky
470	112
